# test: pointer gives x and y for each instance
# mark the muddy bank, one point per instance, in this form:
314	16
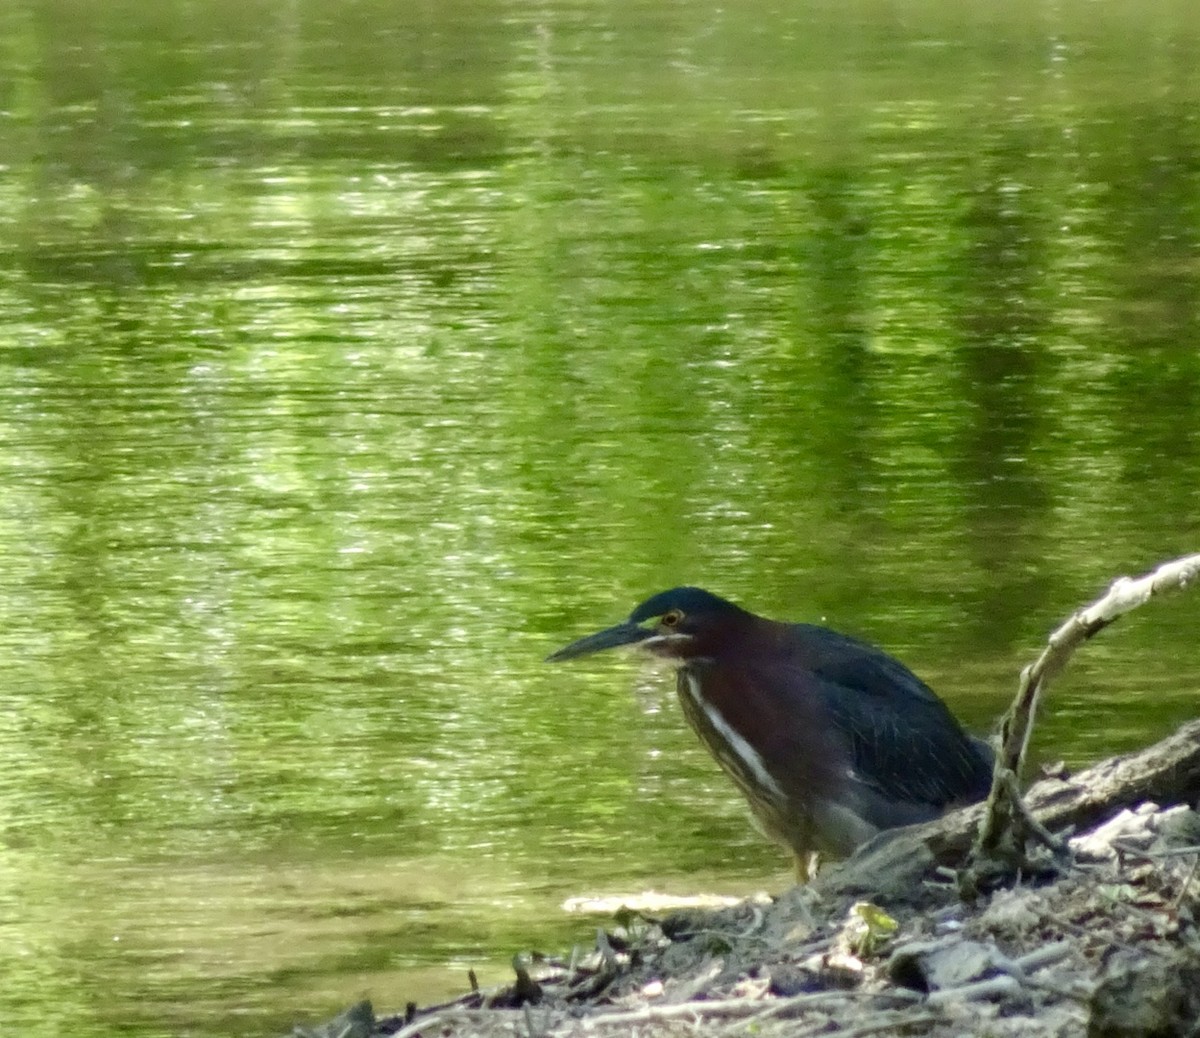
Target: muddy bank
1102	940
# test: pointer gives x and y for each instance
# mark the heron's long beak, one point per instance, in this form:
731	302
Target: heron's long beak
625	633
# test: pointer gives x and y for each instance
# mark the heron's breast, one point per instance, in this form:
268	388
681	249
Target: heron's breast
721	735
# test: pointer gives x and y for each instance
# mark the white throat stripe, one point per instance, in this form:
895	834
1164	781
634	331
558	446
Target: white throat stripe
740	746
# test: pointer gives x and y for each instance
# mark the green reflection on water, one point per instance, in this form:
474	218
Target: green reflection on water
353	358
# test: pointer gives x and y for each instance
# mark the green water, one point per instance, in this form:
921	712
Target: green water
353	357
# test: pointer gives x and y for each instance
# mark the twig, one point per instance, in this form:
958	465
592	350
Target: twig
756	922
1040	958
1144	855
449	1018
891	1021
1032	826
1002	985
431	1023
573	965
1183	889
657	1014
886	1020
754	1008
729	938
780	1006
535	1030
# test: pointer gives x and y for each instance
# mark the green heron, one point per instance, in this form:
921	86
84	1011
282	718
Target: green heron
830	739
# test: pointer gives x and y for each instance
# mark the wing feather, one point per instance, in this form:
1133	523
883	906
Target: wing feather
900	739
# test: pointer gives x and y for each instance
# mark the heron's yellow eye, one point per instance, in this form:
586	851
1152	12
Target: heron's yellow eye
672	618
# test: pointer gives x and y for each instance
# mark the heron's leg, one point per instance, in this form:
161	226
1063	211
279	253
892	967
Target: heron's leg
807	863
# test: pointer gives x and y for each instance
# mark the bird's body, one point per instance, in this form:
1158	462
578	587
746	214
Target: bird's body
830	739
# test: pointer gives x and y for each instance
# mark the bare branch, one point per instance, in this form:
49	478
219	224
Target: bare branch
1002	829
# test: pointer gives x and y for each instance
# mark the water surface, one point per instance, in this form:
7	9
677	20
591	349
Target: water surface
354	358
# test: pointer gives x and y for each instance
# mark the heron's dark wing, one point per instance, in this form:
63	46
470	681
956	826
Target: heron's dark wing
906	748
899	739
853	663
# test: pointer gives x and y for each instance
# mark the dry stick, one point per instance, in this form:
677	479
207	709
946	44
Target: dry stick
978	989
890	1022
735	1007
1183	889
886	1020
1040	958
779	1006
1005	822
